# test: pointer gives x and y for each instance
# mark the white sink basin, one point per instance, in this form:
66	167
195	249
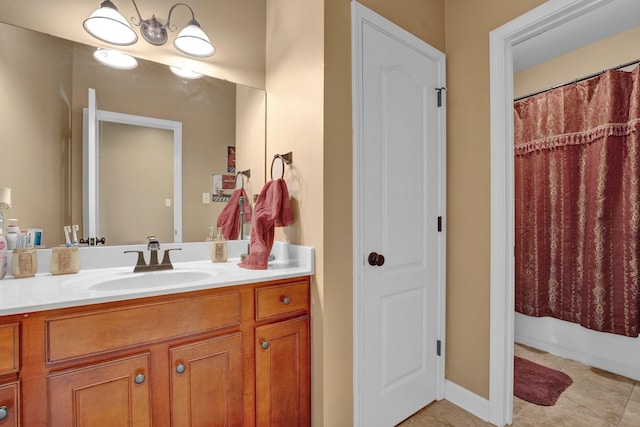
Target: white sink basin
153	279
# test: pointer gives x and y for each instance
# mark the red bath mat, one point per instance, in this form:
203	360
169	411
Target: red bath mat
538	384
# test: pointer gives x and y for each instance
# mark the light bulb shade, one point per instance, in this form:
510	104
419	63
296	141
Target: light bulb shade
185	74
108	25
193	41
115	59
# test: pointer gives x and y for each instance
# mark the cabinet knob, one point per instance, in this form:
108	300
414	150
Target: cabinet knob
285	300
4	412
139	378
180	368
264	344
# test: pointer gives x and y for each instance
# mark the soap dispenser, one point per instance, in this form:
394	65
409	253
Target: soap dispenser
219	249
12	234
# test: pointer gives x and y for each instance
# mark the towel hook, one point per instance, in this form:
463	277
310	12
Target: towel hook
242	174
285	159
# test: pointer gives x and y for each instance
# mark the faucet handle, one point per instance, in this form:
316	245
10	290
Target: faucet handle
165	256
140	262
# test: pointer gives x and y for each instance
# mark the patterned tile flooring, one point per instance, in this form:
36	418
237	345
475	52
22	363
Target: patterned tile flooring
595	399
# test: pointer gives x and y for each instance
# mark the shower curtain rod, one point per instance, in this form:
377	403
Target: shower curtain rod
590	76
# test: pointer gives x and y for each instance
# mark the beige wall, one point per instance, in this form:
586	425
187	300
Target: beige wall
133	208
35	83
468	24
294	85
251	137
607	53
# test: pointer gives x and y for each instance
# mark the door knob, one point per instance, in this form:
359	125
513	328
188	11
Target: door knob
376	259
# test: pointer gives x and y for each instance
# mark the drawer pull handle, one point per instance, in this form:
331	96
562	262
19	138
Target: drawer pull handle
285	300
264	344
181	368
4	412
139	378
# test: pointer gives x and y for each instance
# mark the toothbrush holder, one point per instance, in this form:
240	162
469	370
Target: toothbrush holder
24	263
64	260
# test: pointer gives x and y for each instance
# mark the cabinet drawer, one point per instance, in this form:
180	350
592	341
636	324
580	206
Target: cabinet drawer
279	300
9	347
9	404
97	332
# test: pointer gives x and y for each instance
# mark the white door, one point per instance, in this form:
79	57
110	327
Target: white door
399	188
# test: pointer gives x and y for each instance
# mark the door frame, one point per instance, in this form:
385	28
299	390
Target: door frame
361	15
502	276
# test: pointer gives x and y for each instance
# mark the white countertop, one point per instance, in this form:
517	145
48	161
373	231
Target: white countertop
102	277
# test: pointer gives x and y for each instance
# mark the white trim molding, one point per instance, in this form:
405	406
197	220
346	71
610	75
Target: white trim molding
464	399
501	41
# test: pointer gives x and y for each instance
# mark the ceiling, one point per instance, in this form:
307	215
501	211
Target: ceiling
612	18
236	28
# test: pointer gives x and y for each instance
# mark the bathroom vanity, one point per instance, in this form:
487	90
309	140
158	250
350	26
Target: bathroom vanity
228	350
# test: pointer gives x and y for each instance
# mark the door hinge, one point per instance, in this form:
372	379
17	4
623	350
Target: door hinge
439	224
439	90
439	348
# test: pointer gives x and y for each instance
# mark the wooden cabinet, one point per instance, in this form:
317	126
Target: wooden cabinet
206	383
115	393
9	348
9	368
282	356
9	404
190	359
282	374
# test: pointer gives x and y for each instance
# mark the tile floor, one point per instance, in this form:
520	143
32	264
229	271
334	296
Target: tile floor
595	399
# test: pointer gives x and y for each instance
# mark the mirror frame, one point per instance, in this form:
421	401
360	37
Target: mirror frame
91	159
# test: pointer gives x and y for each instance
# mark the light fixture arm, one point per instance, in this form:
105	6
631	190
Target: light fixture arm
193	16
140	20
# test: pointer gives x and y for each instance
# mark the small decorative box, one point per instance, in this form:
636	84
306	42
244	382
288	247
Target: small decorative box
24	263
65	260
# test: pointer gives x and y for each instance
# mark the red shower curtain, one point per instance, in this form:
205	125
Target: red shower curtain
577	203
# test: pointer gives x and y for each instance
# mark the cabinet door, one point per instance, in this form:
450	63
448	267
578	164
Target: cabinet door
9	405
114	393
206	383
282	374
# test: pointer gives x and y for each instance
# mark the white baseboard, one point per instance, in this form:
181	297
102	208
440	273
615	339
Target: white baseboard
464	399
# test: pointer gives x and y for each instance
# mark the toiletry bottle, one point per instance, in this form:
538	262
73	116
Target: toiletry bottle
211	237
219	249
12	234
3	250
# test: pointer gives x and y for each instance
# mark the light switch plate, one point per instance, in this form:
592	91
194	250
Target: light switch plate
167	202
206	198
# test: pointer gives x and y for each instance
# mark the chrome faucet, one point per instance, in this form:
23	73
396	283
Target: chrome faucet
153	246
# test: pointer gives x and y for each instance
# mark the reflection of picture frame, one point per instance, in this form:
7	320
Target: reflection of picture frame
231	159
223	186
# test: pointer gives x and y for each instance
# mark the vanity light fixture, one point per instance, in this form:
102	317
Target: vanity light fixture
185	74
108	25
115	59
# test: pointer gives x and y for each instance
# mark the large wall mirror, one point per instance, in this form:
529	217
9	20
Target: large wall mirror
45	81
